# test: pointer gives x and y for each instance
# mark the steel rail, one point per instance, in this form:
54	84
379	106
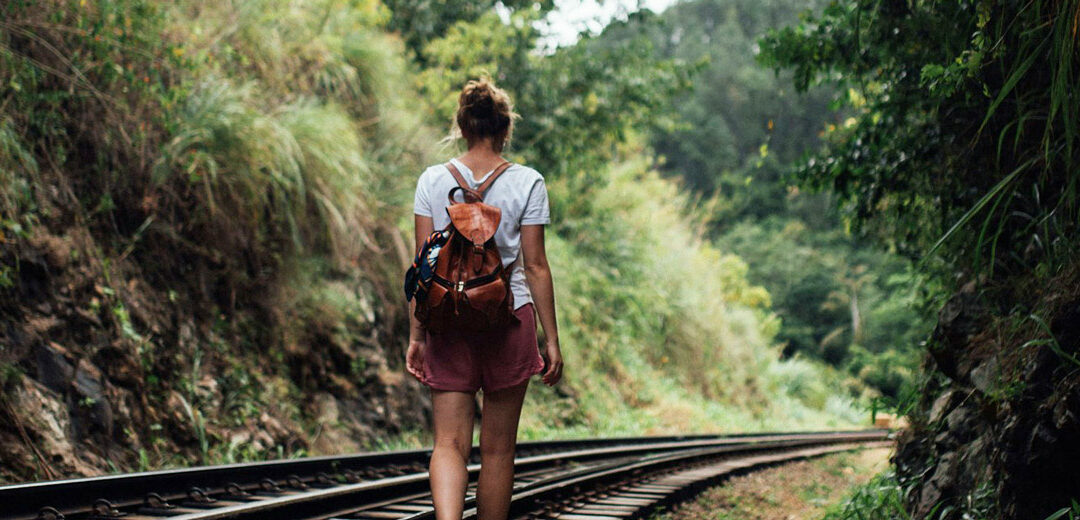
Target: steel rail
75	496
398	470
529	500
637	490
350	499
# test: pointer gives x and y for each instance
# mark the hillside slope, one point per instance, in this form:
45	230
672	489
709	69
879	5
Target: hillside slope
205	221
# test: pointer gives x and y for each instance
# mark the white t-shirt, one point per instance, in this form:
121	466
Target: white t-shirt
519	192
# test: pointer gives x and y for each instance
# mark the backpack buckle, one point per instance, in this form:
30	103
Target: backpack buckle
460	286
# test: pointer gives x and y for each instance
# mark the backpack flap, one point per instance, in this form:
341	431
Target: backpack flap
475	221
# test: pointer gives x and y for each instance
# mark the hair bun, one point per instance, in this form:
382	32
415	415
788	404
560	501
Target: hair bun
480	100
482	105
484	110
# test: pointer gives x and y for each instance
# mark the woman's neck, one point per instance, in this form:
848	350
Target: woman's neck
481	158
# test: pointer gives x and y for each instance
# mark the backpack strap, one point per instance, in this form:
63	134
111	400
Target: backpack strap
464	186
481	190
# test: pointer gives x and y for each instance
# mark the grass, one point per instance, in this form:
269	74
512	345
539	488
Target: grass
880	499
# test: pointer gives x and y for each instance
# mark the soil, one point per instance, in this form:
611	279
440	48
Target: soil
796	491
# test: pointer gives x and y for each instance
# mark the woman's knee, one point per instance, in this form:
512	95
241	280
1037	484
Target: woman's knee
455	444
493	446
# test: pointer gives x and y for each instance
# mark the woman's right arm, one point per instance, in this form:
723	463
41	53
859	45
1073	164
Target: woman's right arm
538	276
414	357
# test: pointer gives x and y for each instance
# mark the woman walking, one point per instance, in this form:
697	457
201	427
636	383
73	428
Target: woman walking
456	364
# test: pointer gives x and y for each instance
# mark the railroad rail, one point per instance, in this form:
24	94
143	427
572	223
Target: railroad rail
594	479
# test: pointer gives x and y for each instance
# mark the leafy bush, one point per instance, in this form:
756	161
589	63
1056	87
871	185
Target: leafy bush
964	138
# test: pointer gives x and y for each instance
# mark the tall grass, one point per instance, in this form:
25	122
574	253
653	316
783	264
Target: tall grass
293	122
18	170
1030	128
212	148
296	170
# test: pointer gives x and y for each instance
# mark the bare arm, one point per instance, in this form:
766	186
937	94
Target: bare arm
538	276
417	335
423	228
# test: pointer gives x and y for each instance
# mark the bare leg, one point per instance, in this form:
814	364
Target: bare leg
498	441
454	413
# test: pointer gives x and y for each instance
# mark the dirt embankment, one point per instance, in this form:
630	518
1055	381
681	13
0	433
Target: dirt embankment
107	363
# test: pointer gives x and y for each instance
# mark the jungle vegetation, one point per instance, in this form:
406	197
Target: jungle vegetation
252	162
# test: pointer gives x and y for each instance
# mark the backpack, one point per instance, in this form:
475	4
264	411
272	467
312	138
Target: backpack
457	277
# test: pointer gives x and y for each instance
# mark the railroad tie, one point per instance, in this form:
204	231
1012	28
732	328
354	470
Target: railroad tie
633	500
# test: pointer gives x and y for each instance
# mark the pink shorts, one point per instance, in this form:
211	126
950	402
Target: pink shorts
492	360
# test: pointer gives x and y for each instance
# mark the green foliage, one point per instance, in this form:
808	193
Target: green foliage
578	103
841	301
18	169
269	173
886	497
252	162
82	76
1050	342
965	137
880	499
205	148
9	374
1071	513
731	140
737	113
670	337
421	21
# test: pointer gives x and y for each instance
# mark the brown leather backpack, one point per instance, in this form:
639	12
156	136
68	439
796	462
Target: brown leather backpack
470	289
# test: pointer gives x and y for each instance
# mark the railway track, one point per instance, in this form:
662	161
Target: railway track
594	479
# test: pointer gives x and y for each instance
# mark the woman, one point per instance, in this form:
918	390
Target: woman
455	365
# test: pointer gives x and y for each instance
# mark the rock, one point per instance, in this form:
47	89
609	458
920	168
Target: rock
91	400
1038	375
976	460
46	420
1067	410
54	366
1042	473
339	384
331	438
274	428
961	423
41	326
326	409
1042	443
185	337
986	375
962	317
943	404
391	377
940	486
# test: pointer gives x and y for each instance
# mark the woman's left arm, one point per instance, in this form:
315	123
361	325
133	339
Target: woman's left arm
414	355
538	276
